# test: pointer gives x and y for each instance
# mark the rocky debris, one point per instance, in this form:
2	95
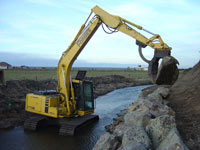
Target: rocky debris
137	118
148	124
137	135
13	94
184	99
108	141
168	71
172	141
159	128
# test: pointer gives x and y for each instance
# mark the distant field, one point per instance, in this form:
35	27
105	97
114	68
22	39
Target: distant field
51	74
29	74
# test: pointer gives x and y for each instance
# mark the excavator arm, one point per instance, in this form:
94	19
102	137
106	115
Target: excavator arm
69	56
117	23
87	30
125	26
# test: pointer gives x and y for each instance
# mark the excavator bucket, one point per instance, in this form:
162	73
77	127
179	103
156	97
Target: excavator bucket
167	73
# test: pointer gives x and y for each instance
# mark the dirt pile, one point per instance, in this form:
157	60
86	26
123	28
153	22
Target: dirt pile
12	96
12	99
185	101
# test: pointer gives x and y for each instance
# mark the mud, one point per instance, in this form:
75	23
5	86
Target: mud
12	100
12	95
185	101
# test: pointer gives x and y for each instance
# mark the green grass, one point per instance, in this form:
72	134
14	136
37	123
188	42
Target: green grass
29	74
51	74
125	73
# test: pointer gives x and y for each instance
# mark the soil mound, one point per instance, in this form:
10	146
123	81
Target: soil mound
185	101
12	99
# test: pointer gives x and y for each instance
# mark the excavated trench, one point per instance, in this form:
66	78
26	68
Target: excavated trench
107	107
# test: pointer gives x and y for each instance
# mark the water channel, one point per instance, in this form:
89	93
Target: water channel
107	107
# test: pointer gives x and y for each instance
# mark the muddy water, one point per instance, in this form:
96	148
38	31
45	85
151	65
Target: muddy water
107	107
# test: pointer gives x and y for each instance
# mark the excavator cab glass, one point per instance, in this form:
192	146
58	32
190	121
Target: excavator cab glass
88	97
84	95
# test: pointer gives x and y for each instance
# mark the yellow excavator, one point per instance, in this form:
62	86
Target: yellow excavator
72	104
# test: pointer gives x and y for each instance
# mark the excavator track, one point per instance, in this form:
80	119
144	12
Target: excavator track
67	130
67	126
32	123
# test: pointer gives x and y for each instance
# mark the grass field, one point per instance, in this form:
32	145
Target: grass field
51	74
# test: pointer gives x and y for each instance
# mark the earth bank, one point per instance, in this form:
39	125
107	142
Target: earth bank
155	120
184	99
12	95
148	124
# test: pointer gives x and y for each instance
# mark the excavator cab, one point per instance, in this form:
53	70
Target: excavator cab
84	97
49	103
83	93
52	109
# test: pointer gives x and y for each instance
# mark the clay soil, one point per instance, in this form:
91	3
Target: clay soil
12	95
185	101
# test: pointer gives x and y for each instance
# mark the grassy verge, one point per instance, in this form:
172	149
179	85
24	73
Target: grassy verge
51	74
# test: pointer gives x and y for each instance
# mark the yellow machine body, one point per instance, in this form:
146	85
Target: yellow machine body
48	103
43	105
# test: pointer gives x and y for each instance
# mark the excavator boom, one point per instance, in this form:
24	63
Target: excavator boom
126	27
116	23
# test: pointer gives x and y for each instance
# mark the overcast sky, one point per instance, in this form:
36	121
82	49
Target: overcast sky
36	32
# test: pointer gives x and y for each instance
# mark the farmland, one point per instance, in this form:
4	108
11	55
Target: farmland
44	74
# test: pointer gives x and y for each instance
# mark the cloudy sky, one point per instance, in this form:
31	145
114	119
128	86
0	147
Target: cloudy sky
36	32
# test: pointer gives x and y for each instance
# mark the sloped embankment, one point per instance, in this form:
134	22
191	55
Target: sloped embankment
148	124
185	101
